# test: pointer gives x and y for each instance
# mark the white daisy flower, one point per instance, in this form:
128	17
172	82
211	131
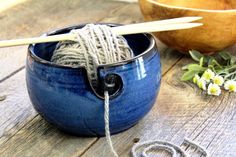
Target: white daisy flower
213	89
230	85
201	83
219	80
208	75
196	78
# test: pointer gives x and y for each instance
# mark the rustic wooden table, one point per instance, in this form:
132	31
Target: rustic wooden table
181	110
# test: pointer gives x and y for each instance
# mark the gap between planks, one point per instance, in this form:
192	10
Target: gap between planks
97	138
17	130
117	7
86	149
23	67
12	74
179	119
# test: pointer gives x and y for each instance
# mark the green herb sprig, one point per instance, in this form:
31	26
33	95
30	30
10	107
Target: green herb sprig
210	73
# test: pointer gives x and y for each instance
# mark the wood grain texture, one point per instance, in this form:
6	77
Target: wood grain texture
182	111
16	109
218	30
39	138
11	60
24	133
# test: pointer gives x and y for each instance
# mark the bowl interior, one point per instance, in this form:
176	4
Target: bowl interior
202	4
138	43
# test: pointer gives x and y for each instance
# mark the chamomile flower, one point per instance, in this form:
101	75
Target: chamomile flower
230	85
213	89
201	83
219	80
196	78
208	75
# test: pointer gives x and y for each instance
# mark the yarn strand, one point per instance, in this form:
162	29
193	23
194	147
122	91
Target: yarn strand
171	148
157	145
107	129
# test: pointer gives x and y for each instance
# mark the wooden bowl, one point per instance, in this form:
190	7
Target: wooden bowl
219	19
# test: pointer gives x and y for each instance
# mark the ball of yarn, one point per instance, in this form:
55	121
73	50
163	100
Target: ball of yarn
95	45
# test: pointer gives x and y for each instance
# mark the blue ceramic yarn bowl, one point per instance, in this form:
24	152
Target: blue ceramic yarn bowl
65	97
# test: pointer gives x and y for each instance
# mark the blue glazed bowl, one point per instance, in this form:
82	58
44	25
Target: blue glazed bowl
65	97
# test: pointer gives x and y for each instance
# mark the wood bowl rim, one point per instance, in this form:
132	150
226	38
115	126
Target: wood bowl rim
190	9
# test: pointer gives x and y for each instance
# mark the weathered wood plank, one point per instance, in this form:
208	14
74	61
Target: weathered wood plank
182	111
32	19
16	108
207	120
19	144
42	139
11	59
38	135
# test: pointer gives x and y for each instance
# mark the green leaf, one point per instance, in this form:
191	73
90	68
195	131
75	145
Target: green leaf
196	67
232	60
196	55
210	62
214	62
201	62
225	55
189	75
185	67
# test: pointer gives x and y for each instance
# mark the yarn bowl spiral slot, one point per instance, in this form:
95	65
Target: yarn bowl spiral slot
64	96
218	30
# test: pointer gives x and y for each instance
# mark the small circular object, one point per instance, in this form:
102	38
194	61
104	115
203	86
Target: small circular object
113	84
3	97
136	140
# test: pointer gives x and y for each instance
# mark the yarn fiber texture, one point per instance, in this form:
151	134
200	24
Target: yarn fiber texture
95	45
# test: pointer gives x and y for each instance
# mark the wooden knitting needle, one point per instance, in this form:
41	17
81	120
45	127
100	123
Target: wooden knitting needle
156	26
129	30
161	22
